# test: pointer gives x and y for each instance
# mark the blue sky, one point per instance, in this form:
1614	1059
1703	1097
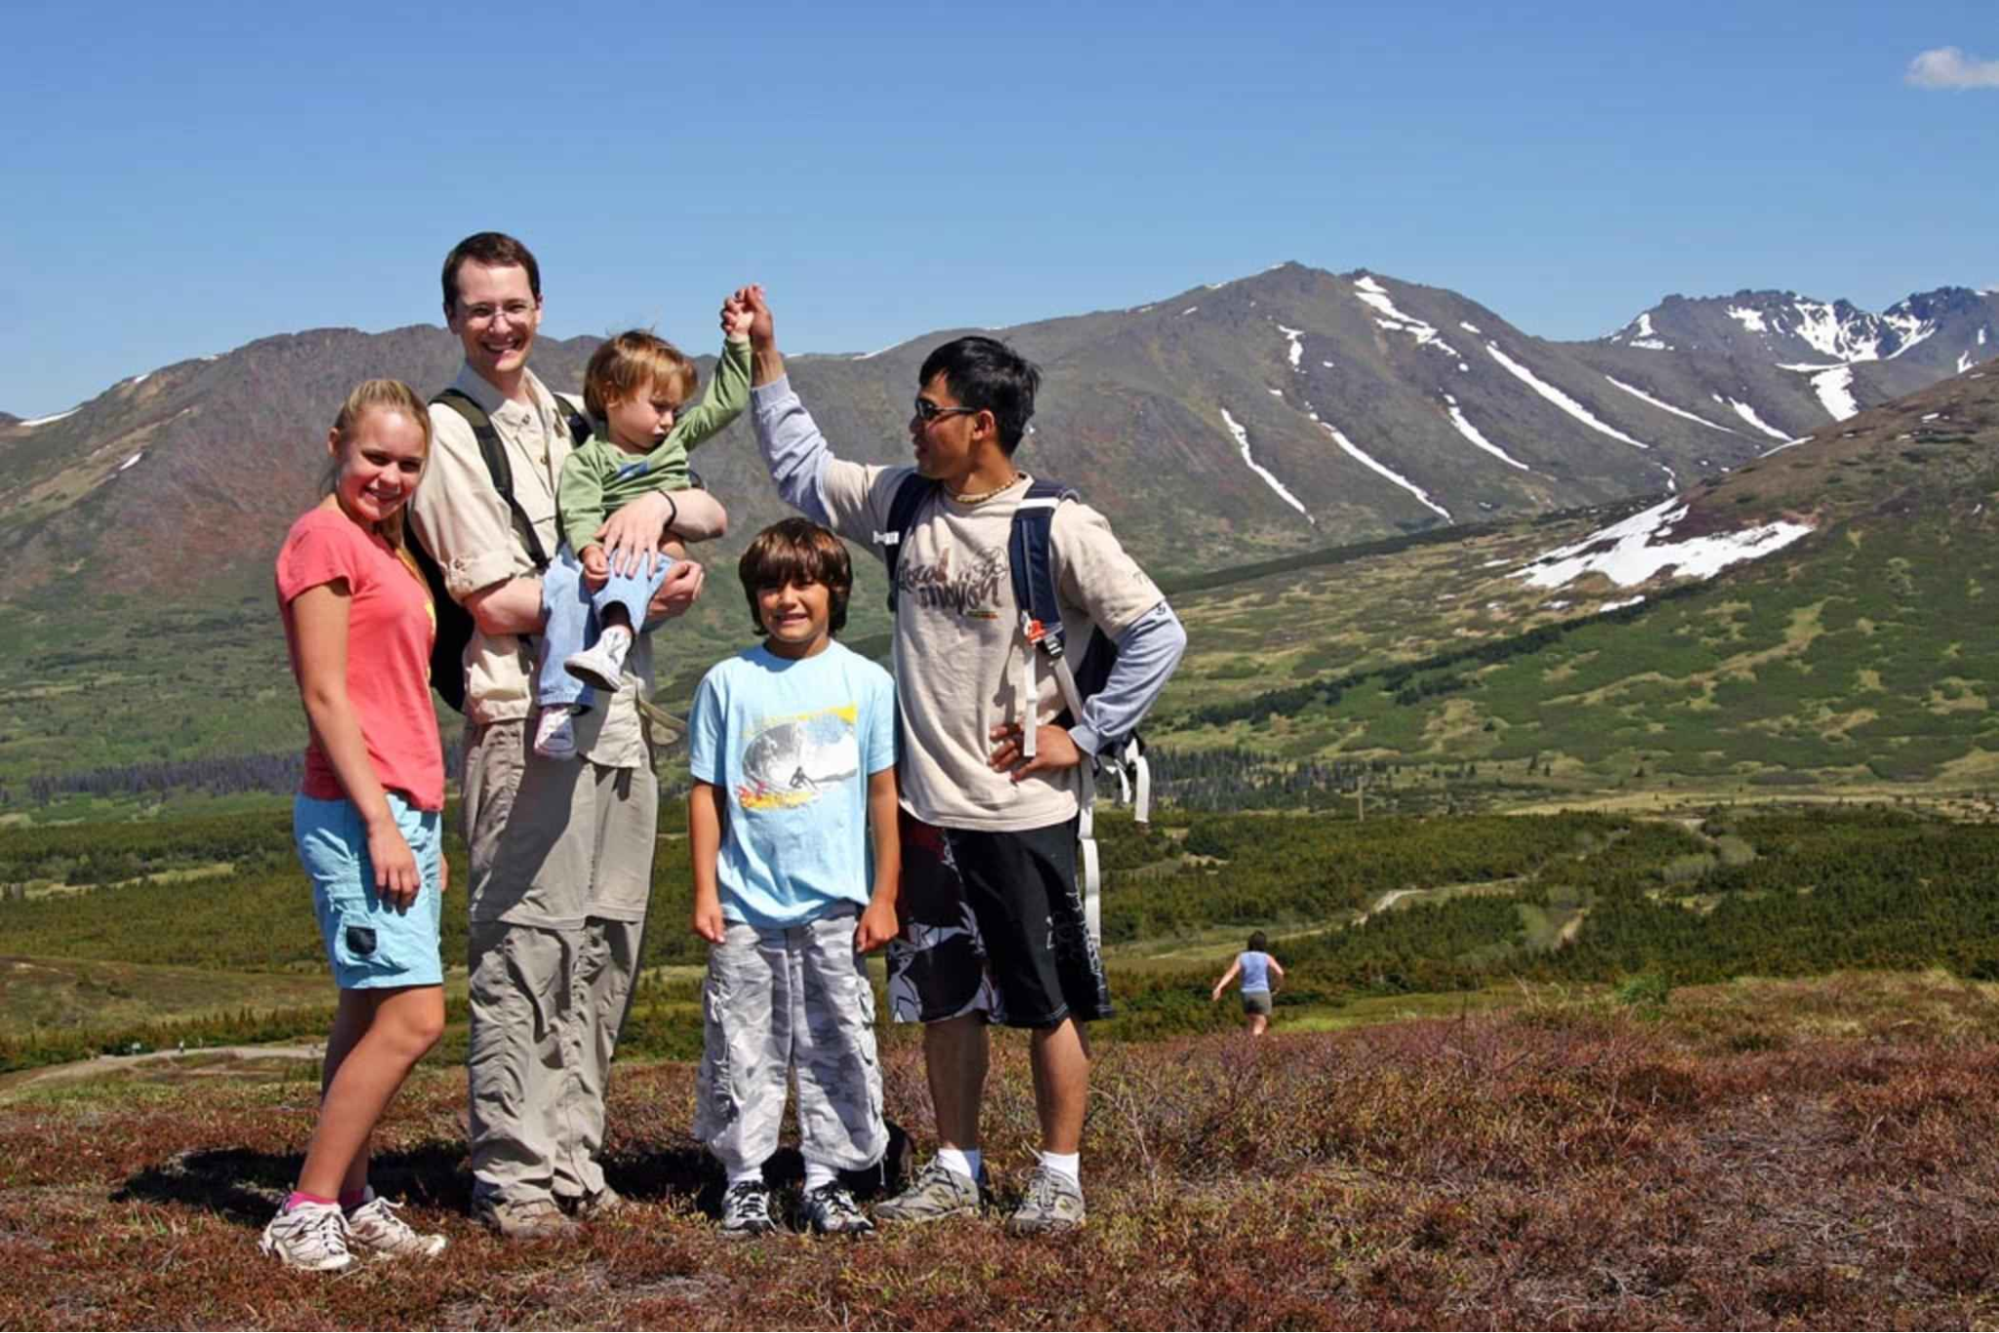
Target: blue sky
180	180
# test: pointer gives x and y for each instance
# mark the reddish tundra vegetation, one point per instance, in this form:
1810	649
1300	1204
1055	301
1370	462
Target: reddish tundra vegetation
1809	1154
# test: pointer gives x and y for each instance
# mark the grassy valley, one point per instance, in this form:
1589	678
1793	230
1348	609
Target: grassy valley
1643	962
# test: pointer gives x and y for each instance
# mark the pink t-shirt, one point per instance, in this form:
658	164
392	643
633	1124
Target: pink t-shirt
390	625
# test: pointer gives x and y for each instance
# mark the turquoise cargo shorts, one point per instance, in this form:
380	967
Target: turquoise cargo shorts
370	943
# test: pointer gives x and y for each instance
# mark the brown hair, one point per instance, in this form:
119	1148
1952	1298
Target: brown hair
494	249
794	550
381	396
632	363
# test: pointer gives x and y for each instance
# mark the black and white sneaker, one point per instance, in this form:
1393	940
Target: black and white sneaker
831	1211
746	1211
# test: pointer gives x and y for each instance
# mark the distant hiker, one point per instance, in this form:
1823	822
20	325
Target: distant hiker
995	928
358	624
1257	969
633	388
561	852
781	882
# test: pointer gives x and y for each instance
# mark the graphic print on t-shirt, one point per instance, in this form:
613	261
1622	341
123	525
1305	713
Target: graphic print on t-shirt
793	761
972	593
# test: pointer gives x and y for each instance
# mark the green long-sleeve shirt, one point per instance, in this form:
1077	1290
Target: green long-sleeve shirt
600	478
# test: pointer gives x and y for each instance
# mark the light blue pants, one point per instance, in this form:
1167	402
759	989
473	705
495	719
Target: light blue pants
574	616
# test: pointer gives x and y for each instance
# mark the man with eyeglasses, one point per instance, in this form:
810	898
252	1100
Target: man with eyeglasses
996	930
561	852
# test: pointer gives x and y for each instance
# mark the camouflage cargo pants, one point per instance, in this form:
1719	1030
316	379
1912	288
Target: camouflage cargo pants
781	1003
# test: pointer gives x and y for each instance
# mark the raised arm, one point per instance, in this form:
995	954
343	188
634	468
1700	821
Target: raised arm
727	394
793	449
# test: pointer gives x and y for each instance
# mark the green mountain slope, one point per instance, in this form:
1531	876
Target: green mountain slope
1863	654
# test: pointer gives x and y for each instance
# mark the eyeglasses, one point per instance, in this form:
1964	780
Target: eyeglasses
927	411
517	312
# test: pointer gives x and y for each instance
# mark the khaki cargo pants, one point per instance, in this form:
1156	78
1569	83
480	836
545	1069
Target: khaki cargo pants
561	869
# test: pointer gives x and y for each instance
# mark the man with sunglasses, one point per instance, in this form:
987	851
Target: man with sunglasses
995	929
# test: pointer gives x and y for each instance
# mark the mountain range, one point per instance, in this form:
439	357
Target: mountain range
1292	409
1816	618
1794	576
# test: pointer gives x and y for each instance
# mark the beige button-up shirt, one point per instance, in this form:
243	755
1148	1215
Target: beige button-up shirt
462	519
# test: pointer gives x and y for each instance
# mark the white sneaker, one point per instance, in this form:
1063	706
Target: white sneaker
600	665
312	1236
555	734
375	1227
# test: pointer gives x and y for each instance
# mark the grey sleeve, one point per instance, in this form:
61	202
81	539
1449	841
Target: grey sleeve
792	448
1148	651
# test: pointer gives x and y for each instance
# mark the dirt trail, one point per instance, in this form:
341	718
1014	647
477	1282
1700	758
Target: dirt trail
10	1084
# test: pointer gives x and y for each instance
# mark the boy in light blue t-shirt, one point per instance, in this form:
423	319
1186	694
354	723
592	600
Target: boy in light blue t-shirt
793	758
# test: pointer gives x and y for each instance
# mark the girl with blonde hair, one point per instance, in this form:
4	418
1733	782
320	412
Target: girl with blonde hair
358	624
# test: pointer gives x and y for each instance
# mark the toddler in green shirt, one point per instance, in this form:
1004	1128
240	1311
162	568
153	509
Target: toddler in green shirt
633	390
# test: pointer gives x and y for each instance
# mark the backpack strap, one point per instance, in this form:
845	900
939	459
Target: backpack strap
575	420
1125	754
495	455
453	629
910	493
1031	565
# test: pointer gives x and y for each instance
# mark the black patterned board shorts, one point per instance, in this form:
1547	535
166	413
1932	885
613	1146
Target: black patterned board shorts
992	923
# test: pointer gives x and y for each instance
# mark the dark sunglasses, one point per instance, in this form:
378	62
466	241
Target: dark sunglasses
927	411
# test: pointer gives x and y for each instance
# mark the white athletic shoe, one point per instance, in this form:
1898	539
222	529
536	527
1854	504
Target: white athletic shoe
375	1227
312	1236
555	734
600	665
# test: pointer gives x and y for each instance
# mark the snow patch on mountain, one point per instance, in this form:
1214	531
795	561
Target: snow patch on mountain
1964	362
1560	399
43	421
1470	432
1241	434
1642	334
1637	549
1297	349
1819	324
1752	320
1381	469
1376	296
1912	328
1748	414
1664	406
1834	386
128	462
1469	328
